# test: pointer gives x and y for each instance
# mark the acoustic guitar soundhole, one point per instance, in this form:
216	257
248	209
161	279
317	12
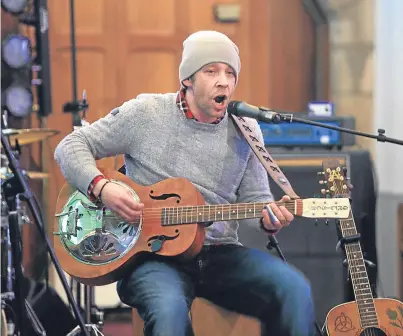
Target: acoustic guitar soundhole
372	332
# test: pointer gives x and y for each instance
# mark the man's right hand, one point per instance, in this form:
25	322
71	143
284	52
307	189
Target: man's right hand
119	200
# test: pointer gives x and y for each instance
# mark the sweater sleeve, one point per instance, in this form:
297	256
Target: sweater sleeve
254	186
111	135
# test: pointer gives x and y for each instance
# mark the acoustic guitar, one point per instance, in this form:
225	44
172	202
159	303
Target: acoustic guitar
96	247
366	316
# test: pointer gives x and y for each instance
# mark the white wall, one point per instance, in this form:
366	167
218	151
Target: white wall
388	114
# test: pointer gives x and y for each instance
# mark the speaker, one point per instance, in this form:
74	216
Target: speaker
310	246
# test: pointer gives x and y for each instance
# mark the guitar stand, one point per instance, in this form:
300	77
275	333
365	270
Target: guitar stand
273	244
350	239
340	248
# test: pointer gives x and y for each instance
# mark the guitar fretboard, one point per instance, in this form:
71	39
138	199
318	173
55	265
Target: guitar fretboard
214	213
359	277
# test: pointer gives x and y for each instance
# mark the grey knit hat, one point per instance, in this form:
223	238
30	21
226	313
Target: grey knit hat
206	47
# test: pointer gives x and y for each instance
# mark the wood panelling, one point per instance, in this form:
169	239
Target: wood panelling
135	46
291	37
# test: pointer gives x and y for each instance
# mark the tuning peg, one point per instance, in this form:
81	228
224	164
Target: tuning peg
326	222
322	182
324	191
321	173
316	222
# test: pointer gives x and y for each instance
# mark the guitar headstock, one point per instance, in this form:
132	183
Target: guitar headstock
335	179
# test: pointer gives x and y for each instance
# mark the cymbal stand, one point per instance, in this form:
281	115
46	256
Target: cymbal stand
7	294
14	271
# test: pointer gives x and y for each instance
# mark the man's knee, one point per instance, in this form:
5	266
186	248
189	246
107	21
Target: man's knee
152	281
301	286
166	317
168	311
162	298
292	285
297	290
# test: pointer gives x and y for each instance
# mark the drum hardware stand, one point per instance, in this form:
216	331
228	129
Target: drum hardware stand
17	187
90	312
14	263
23	219
8	295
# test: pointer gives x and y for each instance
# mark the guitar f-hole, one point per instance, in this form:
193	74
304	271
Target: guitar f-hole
155	242
164	197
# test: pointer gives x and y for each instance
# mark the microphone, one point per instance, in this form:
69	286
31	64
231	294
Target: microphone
242	109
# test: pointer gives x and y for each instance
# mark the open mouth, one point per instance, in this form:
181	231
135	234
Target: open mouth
220	100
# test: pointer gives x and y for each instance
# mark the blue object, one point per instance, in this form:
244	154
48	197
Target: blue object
298	134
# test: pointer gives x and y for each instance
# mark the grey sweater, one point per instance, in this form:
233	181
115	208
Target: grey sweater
159	142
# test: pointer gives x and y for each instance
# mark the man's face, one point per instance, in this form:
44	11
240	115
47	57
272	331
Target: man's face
213	86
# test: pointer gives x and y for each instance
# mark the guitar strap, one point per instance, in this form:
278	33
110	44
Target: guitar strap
264	157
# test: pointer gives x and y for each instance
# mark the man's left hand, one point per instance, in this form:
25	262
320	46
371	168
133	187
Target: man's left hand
284	217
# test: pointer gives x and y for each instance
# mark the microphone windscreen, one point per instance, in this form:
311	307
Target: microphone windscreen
233	107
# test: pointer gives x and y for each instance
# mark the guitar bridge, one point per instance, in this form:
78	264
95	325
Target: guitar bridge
72	227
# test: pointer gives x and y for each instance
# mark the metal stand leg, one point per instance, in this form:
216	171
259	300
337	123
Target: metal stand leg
94	318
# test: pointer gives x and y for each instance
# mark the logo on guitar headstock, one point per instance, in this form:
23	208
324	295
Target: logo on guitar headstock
335	179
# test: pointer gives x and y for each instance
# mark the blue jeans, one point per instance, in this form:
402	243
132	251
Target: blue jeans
240	279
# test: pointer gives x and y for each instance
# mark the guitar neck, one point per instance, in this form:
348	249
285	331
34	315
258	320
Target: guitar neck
308	207
221	212
359	277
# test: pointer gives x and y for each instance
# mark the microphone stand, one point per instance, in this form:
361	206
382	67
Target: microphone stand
289	118
23	190
280	117
74	106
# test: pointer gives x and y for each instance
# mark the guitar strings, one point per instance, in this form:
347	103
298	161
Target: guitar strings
350	250
186	213
206	210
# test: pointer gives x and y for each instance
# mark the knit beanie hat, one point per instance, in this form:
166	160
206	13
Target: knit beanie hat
206	47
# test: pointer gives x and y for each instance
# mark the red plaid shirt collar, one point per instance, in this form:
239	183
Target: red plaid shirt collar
184	107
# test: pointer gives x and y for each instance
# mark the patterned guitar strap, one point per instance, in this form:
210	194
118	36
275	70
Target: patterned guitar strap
264	157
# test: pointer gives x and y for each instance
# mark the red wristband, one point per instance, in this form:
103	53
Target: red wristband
96	179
